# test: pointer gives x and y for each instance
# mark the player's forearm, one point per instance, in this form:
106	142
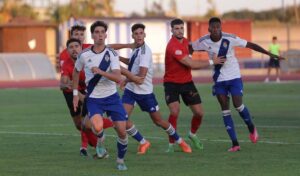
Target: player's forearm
258	48
131	77
124	60
75	79
115	75
118	46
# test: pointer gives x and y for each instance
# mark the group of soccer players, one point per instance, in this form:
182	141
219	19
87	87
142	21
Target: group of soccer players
91	73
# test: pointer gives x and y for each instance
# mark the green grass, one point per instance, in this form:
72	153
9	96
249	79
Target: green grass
38	138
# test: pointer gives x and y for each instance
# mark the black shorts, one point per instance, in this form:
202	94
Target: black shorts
187	91
81	110
274	63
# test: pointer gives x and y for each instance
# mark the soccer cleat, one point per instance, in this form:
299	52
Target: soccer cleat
254	136
142	149
121	166
101	153
83	152
234	148
196	142
185	147
170	148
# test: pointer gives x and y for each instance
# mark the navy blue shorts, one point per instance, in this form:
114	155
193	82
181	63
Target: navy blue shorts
147	102
112	105
233	87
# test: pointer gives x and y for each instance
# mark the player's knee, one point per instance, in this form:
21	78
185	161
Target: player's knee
174	112
240	108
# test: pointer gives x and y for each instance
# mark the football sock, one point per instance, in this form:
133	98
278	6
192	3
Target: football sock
229	124
122	147
244	113
172	133
195	123
100	137
84	139
133	132
92	138
173	121
107	123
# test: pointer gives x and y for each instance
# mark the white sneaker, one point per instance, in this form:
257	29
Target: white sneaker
278	80
266	80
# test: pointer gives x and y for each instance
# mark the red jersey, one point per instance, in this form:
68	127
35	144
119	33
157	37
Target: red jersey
64	55
67	67
176	72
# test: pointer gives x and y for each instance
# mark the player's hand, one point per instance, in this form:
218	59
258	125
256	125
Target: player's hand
123	84
281	58
219	60
75	102
138	79
95	70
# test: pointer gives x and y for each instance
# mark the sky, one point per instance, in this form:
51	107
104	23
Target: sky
199	7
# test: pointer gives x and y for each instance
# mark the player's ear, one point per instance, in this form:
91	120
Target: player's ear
132	36
145	35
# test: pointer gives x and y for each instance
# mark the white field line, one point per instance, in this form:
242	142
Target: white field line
148	137
151	125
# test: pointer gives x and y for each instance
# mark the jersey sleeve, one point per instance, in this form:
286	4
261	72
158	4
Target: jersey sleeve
145	59
177	53
79	63
239	42
115	64
64	71
199	45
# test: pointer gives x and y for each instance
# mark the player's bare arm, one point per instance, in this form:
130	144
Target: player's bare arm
196	64
65	83
115	75
117	46
124	60
75	86
133	78
258	48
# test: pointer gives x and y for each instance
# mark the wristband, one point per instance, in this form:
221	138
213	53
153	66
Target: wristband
191	56
75	92
211	62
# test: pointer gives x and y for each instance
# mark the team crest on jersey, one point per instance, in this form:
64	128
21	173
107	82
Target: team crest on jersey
106	57
225	44
178	52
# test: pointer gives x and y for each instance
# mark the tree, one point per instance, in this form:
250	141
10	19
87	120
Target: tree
15	9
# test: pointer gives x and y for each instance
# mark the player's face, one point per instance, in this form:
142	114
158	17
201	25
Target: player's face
99	35
139	36
78	35
74	49
215	30
178	31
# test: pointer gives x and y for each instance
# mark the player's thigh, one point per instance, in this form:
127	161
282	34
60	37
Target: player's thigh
237	100
223	101
171	92
190	95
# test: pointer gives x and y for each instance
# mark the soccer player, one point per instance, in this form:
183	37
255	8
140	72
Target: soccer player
227	77
178	82
274	48
102	70
67	60
140	91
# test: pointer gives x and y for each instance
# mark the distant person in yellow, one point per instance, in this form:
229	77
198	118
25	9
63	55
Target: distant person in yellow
274	48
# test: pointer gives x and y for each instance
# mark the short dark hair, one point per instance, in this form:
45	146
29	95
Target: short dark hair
71	40
214	20
98	23
137	26
176	21
78	28
274	38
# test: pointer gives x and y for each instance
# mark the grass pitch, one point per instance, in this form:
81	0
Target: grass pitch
38	138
